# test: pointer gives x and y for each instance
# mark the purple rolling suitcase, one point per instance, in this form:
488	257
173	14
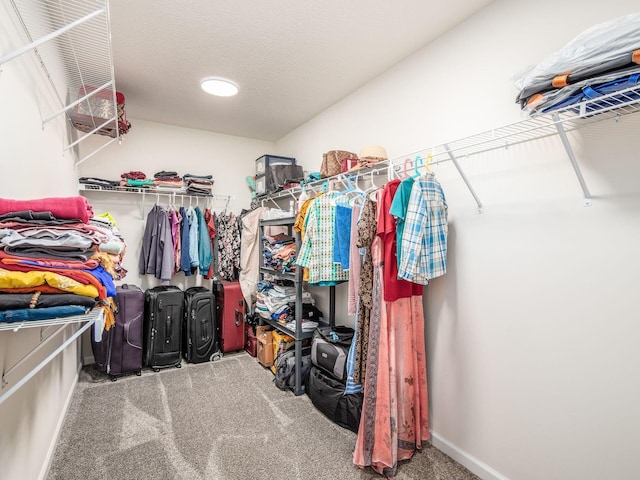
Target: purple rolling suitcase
120	350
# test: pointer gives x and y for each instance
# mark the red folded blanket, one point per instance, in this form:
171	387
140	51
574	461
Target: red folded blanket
60	207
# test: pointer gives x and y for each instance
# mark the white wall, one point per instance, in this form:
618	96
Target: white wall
151	147
531	335
33	166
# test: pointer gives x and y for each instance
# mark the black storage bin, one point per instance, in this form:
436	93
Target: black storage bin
327	395
277	176
264	162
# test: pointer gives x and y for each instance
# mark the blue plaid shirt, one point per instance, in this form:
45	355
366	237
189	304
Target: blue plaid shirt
424	239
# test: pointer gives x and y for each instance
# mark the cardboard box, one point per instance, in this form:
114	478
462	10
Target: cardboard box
265	348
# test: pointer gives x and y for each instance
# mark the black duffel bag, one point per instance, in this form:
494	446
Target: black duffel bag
330	349
327	395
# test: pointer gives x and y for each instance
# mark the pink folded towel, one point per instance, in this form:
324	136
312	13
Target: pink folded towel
60	207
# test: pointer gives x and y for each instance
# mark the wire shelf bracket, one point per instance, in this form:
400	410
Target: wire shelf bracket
95	317
71	41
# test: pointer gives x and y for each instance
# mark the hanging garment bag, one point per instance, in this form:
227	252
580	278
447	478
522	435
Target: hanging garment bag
230	310
200	338
163	311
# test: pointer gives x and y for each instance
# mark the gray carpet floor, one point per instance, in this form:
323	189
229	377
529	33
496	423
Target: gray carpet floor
216	421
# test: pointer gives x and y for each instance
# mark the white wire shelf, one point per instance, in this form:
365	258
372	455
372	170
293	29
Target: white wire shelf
71	41
152	192
94	317
607	107
558	122
15	326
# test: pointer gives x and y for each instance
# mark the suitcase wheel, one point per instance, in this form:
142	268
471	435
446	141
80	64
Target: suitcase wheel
216	356
156	370
179	365
138	373
113	378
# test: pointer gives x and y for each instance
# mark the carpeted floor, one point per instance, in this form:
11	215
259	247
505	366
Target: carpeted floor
216	421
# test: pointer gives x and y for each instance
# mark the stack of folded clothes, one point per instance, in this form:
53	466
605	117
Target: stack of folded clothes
274	302
51	264
100	182
279	252
198	184
603	60
168	182
135	179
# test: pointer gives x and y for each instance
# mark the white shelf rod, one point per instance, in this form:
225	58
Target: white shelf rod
71	105
42	343
574	163
50	36
46	361
96	151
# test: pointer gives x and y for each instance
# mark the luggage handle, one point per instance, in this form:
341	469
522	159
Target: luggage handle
238	318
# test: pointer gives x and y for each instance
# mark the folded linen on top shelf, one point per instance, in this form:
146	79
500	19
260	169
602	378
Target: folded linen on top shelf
76	207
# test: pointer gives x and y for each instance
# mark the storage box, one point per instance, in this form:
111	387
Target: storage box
251	346
263	163
261	185
277	176
97	109
265	348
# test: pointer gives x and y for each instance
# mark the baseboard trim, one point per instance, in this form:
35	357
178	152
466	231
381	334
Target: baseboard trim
56	436
481	469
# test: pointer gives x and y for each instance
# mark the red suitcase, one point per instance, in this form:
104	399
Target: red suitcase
230	306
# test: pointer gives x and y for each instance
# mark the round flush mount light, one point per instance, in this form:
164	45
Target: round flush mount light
219	87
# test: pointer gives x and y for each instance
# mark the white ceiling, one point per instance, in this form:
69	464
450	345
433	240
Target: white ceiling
292	59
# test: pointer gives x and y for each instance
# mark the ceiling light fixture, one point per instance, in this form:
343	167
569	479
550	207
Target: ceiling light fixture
219	87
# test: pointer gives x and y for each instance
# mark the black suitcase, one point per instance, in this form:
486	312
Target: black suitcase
163	307
120	350
327	395
199	336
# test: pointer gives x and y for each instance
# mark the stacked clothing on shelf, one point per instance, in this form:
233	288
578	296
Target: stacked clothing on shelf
279	252
163	181
135	179
51	262
168	181
603	59
198	184
277	302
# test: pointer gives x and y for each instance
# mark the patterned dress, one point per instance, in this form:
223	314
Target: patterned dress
228	233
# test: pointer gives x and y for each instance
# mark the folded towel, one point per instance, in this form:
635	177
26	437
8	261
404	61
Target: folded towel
61	207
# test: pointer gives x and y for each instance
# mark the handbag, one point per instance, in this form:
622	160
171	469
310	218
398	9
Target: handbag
332	162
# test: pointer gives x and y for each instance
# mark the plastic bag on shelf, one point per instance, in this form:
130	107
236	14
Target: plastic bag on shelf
602	48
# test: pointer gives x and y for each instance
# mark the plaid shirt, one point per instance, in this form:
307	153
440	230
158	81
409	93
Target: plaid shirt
316	251
424	239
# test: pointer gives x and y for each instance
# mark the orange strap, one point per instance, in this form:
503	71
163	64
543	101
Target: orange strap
560	81
635	57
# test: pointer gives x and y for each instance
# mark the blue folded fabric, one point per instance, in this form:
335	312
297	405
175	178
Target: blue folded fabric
11	316
105	279
342	236
591	92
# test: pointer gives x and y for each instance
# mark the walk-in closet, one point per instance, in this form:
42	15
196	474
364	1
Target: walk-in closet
321	240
